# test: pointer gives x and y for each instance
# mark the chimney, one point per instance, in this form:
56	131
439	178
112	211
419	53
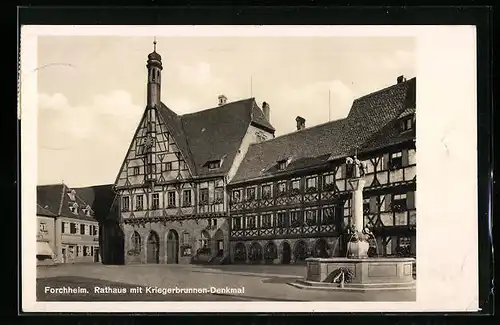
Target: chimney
222	100
301	123
267	111
401	79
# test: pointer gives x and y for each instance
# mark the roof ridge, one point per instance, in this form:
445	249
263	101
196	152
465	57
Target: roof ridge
385	89
216	107
306	129
62	199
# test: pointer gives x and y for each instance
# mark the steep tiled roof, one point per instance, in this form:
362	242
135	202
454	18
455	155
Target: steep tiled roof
213	134
41	211
369	117
57	200
100	198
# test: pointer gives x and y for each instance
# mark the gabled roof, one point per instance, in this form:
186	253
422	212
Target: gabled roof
57	200
100	198
367	125
213	134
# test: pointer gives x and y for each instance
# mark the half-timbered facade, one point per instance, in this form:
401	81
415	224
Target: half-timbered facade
290	198
172	183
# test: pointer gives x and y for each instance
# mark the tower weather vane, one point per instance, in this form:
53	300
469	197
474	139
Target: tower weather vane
154	44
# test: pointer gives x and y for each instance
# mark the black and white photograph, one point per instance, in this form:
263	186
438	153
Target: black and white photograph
243	165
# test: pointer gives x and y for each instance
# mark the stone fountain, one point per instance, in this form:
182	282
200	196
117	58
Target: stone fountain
357	271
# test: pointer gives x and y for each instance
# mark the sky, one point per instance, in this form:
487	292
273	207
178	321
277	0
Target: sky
92	89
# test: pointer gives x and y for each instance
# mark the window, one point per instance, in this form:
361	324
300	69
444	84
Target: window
282	164
311	183
78	250
236	223
396	160
398	202
135	171
214	223
251	194
266	191
281	187
125	203
95	231
267	220
139	202
236	196
328	180
151	169
219	195
82	229
156	201
72	228
185	238
186	198
74	208
42	227
296	219
166	166
251	222
88	211
214	164
407	124
171	199
328	217
65	227
296	184
281	219
311	217
204	196
86	251
366	205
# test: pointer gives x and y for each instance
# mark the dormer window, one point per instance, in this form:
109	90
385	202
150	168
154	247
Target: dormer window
283	164
406	124
214	164
72	195
74	208
87	210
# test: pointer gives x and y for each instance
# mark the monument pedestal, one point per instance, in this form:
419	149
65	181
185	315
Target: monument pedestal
367	274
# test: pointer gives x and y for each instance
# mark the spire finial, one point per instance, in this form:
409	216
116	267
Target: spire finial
154	44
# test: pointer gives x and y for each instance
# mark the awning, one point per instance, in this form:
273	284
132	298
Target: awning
43	248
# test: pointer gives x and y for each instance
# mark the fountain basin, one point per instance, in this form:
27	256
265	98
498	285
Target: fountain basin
373	273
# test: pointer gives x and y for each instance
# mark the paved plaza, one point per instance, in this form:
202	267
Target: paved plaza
260	283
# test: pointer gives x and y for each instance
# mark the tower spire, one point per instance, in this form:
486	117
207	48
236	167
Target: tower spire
154	44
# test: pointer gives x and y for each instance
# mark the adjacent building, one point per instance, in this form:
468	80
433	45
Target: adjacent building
171	186
68	231
289	199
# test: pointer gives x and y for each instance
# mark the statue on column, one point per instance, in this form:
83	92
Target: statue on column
357	234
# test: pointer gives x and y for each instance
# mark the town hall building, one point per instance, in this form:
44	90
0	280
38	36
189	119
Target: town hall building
172	185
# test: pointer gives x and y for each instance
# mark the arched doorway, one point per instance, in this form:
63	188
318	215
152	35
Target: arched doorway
219	242
172	247
270	253
240	253
205	243
300	252
320	248
153	248
286	254
255	253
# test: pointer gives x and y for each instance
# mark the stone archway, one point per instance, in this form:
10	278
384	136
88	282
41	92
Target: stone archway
255	253
300	251
205	243
286	253
172	247
270	253
320	248
153	248
240	253
218	240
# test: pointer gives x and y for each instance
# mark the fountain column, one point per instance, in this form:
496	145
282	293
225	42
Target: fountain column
358	245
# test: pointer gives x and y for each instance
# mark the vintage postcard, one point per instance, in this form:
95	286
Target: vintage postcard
248	168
